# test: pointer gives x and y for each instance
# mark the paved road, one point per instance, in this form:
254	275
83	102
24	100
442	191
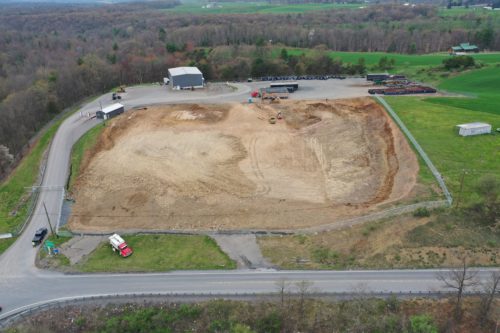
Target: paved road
22	284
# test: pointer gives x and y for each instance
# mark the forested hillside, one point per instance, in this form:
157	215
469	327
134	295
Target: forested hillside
52	56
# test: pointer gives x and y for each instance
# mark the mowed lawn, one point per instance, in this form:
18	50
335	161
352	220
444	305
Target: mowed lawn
434	126
154	253
401	60
482	84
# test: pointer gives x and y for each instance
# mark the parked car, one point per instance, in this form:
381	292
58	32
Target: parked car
39	236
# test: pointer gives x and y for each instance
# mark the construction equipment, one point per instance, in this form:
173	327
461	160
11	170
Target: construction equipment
121	89
119	245
274	100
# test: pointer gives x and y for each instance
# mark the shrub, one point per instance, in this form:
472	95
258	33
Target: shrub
269	324
422	324
459	62
422	212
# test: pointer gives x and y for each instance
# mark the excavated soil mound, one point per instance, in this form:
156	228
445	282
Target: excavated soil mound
195	167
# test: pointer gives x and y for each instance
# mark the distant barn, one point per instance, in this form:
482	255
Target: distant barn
474	129
110	111
185	78
464	48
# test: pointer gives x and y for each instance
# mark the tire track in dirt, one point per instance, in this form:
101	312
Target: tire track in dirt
262	187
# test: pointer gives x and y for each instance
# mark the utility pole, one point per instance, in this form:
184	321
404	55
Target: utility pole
461	188
48	219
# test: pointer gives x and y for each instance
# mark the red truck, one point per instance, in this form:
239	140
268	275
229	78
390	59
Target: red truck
119	245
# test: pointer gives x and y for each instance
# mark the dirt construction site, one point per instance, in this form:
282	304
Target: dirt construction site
226	167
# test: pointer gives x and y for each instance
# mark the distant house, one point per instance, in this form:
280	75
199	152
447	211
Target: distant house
474	129
464	48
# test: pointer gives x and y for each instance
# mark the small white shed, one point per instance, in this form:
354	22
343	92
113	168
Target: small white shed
474	129
110	111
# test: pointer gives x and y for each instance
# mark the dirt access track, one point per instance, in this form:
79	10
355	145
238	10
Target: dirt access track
225	167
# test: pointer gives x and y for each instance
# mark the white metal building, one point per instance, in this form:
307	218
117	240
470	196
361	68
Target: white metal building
474	129
185	78
110	111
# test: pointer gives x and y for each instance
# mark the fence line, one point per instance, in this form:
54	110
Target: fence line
375	216
310	230
419	149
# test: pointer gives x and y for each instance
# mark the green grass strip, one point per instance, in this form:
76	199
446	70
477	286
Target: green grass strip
86	142
153	253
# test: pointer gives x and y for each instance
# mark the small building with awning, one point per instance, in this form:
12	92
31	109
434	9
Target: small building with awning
464	48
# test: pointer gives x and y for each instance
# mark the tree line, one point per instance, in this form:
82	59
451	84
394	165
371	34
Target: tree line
52	56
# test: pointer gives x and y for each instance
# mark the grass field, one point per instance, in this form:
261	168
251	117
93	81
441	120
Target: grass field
433	122
87	141
196	8
423	68
484	84
153	253
402	61
459	11
433	126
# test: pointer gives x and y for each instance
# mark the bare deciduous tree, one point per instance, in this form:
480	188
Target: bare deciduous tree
460	279
283	286
5	159
491	288
304	288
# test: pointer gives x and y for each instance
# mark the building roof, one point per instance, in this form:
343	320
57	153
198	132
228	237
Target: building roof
183	70
112	108
473	125
465	47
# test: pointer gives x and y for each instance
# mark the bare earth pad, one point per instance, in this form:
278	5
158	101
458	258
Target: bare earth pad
194	167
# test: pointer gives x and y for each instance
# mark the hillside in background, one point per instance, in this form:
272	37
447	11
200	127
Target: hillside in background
52	56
